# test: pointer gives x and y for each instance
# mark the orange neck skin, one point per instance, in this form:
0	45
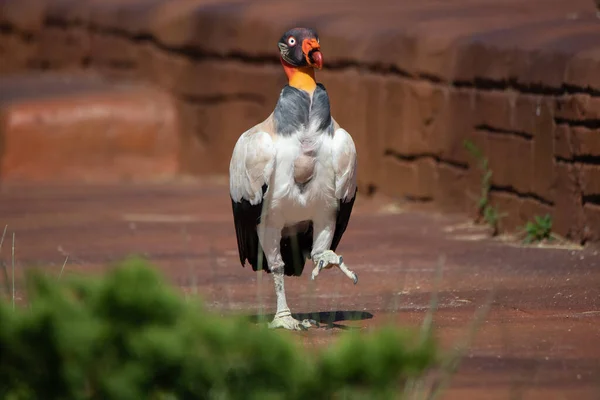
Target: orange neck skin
302	78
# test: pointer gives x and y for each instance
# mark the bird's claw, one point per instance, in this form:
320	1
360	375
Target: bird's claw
329	259
290	323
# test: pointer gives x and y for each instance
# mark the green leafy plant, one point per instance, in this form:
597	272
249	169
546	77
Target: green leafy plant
485	210
129	335
492	217
539	229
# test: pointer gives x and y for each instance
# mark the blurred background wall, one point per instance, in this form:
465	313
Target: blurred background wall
104	90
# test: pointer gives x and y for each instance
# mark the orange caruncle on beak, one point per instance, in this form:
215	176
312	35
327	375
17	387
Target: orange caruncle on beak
312	52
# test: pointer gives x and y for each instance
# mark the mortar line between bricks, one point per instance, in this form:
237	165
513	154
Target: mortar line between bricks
580	160
504	132
592	123
221	98
593	199
194	53
421	156
512	191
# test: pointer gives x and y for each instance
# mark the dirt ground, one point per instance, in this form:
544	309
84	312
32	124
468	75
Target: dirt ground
540	339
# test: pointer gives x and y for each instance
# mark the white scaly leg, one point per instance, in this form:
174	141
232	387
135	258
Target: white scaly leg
322	257
270	240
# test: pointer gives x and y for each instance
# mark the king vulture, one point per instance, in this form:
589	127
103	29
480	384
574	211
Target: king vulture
293	178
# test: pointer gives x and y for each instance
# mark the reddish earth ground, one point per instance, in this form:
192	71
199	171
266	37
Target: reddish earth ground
540	339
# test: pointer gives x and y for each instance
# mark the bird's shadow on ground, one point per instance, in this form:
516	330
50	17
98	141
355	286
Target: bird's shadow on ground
327	318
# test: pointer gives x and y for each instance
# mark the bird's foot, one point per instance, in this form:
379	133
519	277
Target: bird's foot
286	321
328	259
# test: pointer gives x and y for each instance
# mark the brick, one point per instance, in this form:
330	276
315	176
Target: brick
562	142
510	159
525	112
583	67
586	141
394	112
423	104
371	148
414	179
568	218
590	179
115	56
211	132
349	108
577	107
509	110
357	102
517	210
451	188
26	16
576	141
591	228
413	111
214	78
454	124
494	108
16	52
63	48
91	135
543	154
193	151
434	54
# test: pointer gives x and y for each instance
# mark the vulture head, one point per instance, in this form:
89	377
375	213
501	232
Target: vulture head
299	48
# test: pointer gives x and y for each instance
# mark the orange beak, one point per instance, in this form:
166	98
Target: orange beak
312	52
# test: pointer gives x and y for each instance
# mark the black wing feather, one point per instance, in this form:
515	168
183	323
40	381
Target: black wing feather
246	218
295	249
341	222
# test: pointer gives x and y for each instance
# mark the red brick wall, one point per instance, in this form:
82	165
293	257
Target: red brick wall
410	80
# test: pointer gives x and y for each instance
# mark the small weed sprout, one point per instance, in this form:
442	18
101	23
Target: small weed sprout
539	229
485	210
492	217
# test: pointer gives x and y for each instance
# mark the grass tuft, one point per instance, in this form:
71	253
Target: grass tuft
13	270
485	210
539	229
4	270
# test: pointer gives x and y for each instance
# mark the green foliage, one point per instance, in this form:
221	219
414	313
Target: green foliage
486	211
539	229
129	335
492	217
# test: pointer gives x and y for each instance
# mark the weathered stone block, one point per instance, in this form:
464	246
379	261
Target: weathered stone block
586	141
16	52
415	178
494	108
542	177
526	112
510	159
577	107
562	142
101	134
450	190
64	48
590	179
517	210
453	124
568	216
591	228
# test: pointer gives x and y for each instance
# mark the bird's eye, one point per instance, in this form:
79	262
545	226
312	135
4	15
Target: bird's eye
292	41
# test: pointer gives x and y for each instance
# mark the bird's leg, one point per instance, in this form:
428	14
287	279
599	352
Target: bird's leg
322	256
270	240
